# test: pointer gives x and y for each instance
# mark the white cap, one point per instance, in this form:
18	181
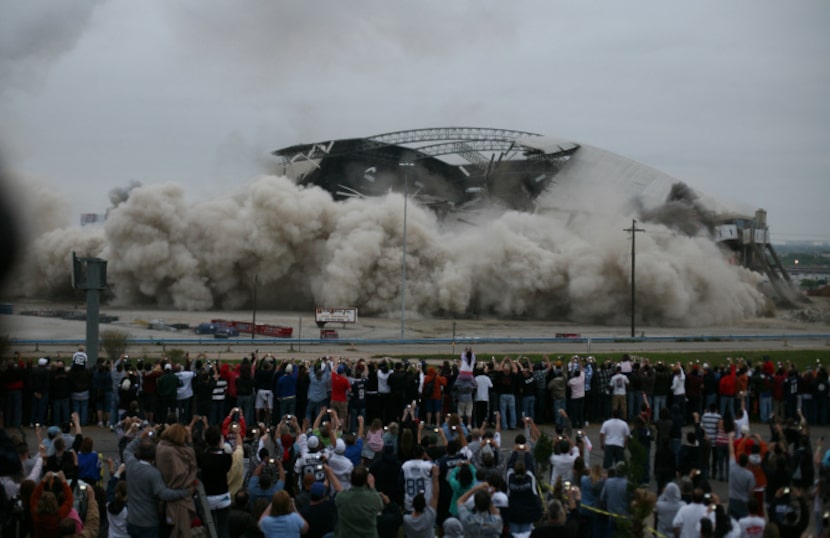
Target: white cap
500	499
340	447
126	384
313	442
168	366
42	361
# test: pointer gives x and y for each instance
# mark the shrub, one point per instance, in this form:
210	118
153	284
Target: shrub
114	343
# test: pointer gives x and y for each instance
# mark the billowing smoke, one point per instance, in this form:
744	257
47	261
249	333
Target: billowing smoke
305	249
119	195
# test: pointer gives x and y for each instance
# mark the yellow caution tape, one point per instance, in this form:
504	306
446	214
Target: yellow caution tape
598	511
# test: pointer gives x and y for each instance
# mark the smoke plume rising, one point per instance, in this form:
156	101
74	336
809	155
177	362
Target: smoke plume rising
305	249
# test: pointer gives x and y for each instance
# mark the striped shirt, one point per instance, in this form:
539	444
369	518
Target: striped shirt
219	390
709	423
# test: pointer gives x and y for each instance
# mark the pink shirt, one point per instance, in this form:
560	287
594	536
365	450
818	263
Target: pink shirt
577	385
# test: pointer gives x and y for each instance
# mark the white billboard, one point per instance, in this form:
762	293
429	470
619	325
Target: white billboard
335	315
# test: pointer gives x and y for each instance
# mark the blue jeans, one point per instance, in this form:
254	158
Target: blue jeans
355	412
529	406
14	409
82	408
727	402
246	404
518	528
507	404
765	406
39	406
659	403
114	409
142	532
60	411
709	400
313	408
633	406
557	418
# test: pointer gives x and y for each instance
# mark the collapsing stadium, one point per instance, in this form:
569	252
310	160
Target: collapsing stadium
458	170
502	223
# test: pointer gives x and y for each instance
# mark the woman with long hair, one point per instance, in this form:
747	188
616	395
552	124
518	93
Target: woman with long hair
47	510
176	460
590	485
215	464
281	519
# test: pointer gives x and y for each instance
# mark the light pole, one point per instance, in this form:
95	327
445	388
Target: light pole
406	166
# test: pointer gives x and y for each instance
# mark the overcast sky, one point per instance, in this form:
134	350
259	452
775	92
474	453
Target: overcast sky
731	97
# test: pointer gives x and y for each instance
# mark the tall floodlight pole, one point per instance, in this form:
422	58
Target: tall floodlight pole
407	166
633	231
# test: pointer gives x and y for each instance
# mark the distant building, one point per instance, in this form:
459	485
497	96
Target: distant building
92	218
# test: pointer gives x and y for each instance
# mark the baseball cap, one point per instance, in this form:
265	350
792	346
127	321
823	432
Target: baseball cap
500	500
340	447
313	442
318	491
43	361
168	366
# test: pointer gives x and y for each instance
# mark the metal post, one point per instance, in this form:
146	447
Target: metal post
93	307
633	230
299	335
453	338
406	166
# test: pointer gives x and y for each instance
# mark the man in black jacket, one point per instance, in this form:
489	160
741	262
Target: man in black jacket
39	383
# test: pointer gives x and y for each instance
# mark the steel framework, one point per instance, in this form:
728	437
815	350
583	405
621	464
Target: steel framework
464	141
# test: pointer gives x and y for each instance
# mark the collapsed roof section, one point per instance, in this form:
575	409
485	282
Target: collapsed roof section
446	168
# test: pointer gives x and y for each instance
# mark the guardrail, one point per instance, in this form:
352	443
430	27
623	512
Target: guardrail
426	341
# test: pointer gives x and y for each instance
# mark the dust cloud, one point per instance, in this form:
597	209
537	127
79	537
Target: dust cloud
304	249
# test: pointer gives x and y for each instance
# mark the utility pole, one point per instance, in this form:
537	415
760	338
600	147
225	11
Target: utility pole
633	231
253	321
406	166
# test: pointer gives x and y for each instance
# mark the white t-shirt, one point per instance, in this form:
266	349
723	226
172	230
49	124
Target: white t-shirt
678	384
751	526
483	386
417	476
739	424
464	367
618	384
615	431
688	519
383	382
563	465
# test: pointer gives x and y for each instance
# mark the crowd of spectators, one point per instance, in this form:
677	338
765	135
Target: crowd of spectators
341	447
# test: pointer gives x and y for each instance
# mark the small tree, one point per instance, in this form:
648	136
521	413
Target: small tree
114	343
175	355
542	452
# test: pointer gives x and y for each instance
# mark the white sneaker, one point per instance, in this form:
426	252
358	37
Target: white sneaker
100	424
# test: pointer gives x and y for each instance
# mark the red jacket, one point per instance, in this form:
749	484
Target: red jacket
440	382
727	386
